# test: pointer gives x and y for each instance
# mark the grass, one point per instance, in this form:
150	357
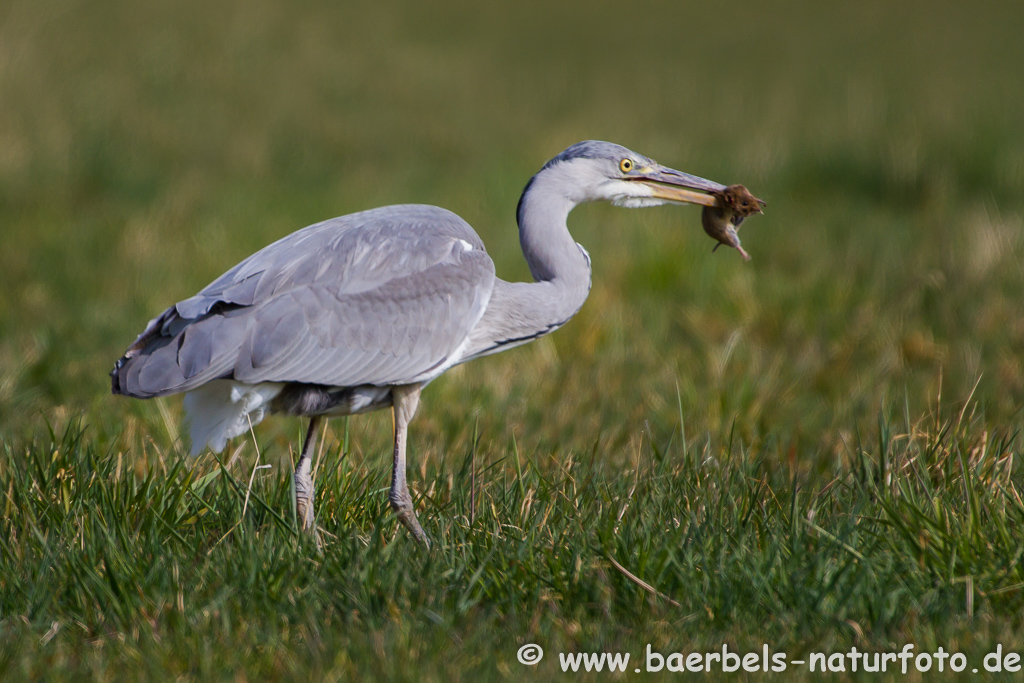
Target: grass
814	450
185	570
180	571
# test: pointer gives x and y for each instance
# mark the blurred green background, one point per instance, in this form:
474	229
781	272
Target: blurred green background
147	147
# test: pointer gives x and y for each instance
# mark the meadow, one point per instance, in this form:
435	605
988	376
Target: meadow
816	450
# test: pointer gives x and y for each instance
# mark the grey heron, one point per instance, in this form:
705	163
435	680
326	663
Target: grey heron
360	312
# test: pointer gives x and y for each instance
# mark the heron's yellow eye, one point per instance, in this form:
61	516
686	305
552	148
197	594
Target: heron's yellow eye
626	165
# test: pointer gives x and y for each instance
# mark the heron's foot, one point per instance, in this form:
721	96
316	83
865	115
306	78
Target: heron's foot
401	503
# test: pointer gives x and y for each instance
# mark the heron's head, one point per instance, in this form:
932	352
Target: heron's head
595	170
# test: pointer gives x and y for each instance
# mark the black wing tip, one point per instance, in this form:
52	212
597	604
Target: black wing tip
115	377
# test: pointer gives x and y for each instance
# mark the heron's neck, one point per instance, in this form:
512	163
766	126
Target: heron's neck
559	265
521	311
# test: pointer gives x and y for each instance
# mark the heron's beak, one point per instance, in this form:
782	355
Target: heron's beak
676	186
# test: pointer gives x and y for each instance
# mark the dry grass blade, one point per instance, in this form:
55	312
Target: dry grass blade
640	582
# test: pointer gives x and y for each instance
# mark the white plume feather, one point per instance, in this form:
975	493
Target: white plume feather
222	409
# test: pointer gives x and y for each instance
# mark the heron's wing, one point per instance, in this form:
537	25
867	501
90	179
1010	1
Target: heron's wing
381	297
396	333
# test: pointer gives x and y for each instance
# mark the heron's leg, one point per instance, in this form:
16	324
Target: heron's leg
304	478
404	400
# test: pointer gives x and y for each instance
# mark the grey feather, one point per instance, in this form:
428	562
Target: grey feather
355	300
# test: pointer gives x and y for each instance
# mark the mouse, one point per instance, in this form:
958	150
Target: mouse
722	220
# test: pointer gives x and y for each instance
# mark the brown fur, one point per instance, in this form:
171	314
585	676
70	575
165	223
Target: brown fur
722	221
